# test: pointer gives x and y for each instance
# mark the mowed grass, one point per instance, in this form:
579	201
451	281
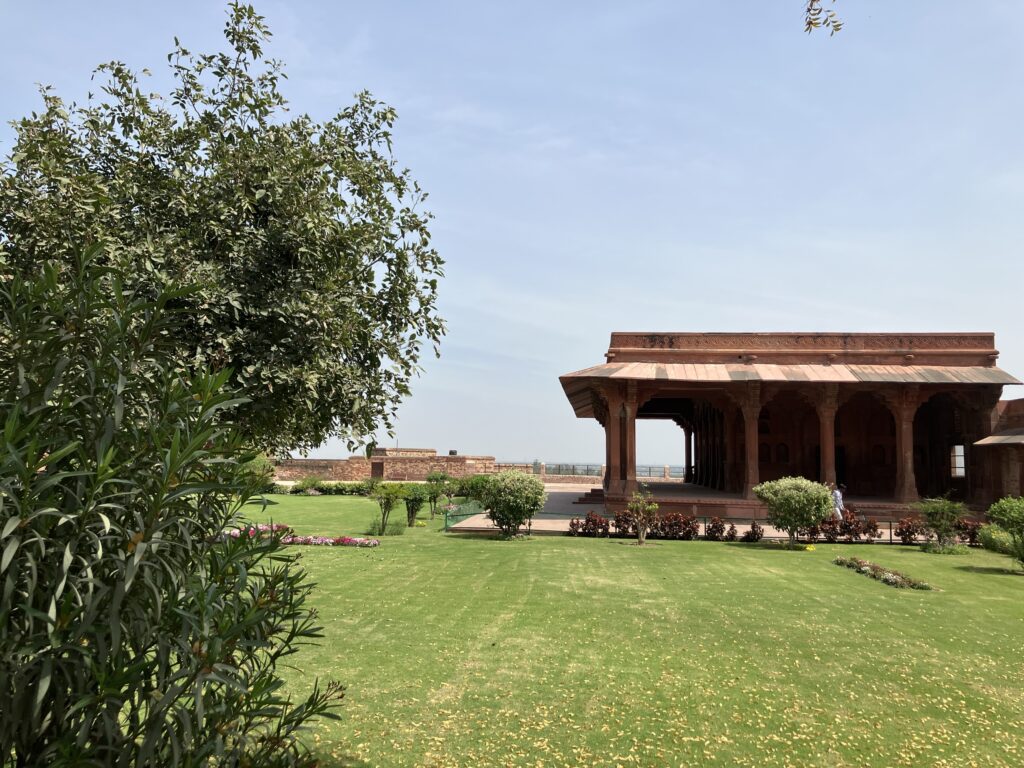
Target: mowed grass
466	651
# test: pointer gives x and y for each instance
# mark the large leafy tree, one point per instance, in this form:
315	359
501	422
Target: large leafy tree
317	281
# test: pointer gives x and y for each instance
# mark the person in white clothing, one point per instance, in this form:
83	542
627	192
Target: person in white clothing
837	502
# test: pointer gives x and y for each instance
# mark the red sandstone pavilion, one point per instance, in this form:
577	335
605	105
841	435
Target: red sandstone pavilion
895	417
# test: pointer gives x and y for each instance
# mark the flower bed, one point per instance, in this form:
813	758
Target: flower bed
287	537
331	541
878	572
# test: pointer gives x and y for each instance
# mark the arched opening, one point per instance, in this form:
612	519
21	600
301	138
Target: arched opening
941	448
866	447
714	427
789	437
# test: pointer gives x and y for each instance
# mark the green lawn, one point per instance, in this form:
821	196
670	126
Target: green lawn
462	651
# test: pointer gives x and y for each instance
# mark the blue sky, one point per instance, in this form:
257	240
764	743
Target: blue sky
648	166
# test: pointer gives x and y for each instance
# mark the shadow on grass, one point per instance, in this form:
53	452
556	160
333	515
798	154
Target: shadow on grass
765	546
991	570
341	761
629	542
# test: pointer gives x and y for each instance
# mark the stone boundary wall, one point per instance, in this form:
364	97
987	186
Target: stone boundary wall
417	464
337	470
407	467
418	467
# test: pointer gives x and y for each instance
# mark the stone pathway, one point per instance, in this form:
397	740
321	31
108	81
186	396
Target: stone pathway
560	509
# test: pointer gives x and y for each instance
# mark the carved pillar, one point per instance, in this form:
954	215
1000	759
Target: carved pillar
687	456
629	434
904	404
719	450
751	409
613	443
702	455
729	429
827	406
1012	473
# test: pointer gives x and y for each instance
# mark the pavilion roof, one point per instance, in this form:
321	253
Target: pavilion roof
1006	437
835	373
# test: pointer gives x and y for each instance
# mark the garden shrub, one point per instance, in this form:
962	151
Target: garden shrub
415	498
908	529
308	484
512	499
1008	514
794	503
474	487
934	548
624	523
754	534
869	529
332	488
811	533
715	529
675	525
645	513
941	516
387	496
592	525
731	534
967	531
849	527
995	539
437	488
829	529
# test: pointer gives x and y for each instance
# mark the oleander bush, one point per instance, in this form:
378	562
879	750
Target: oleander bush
131	631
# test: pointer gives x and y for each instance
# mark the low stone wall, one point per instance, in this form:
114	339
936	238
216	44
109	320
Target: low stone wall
342	470
411	466
418	467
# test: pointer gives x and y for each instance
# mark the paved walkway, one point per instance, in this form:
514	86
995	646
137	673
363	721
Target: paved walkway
560	509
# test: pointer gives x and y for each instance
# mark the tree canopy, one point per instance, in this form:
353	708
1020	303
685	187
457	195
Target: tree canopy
317	281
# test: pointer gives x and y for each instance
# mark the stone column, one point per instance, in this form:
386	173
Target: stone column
827	407
729	429
629	441
702	446
613	435
904	406
751	413
719	450
1011	470
687	458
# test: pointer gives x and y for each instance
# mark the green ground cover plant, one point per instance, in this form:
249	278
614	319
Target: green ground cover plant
585	652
